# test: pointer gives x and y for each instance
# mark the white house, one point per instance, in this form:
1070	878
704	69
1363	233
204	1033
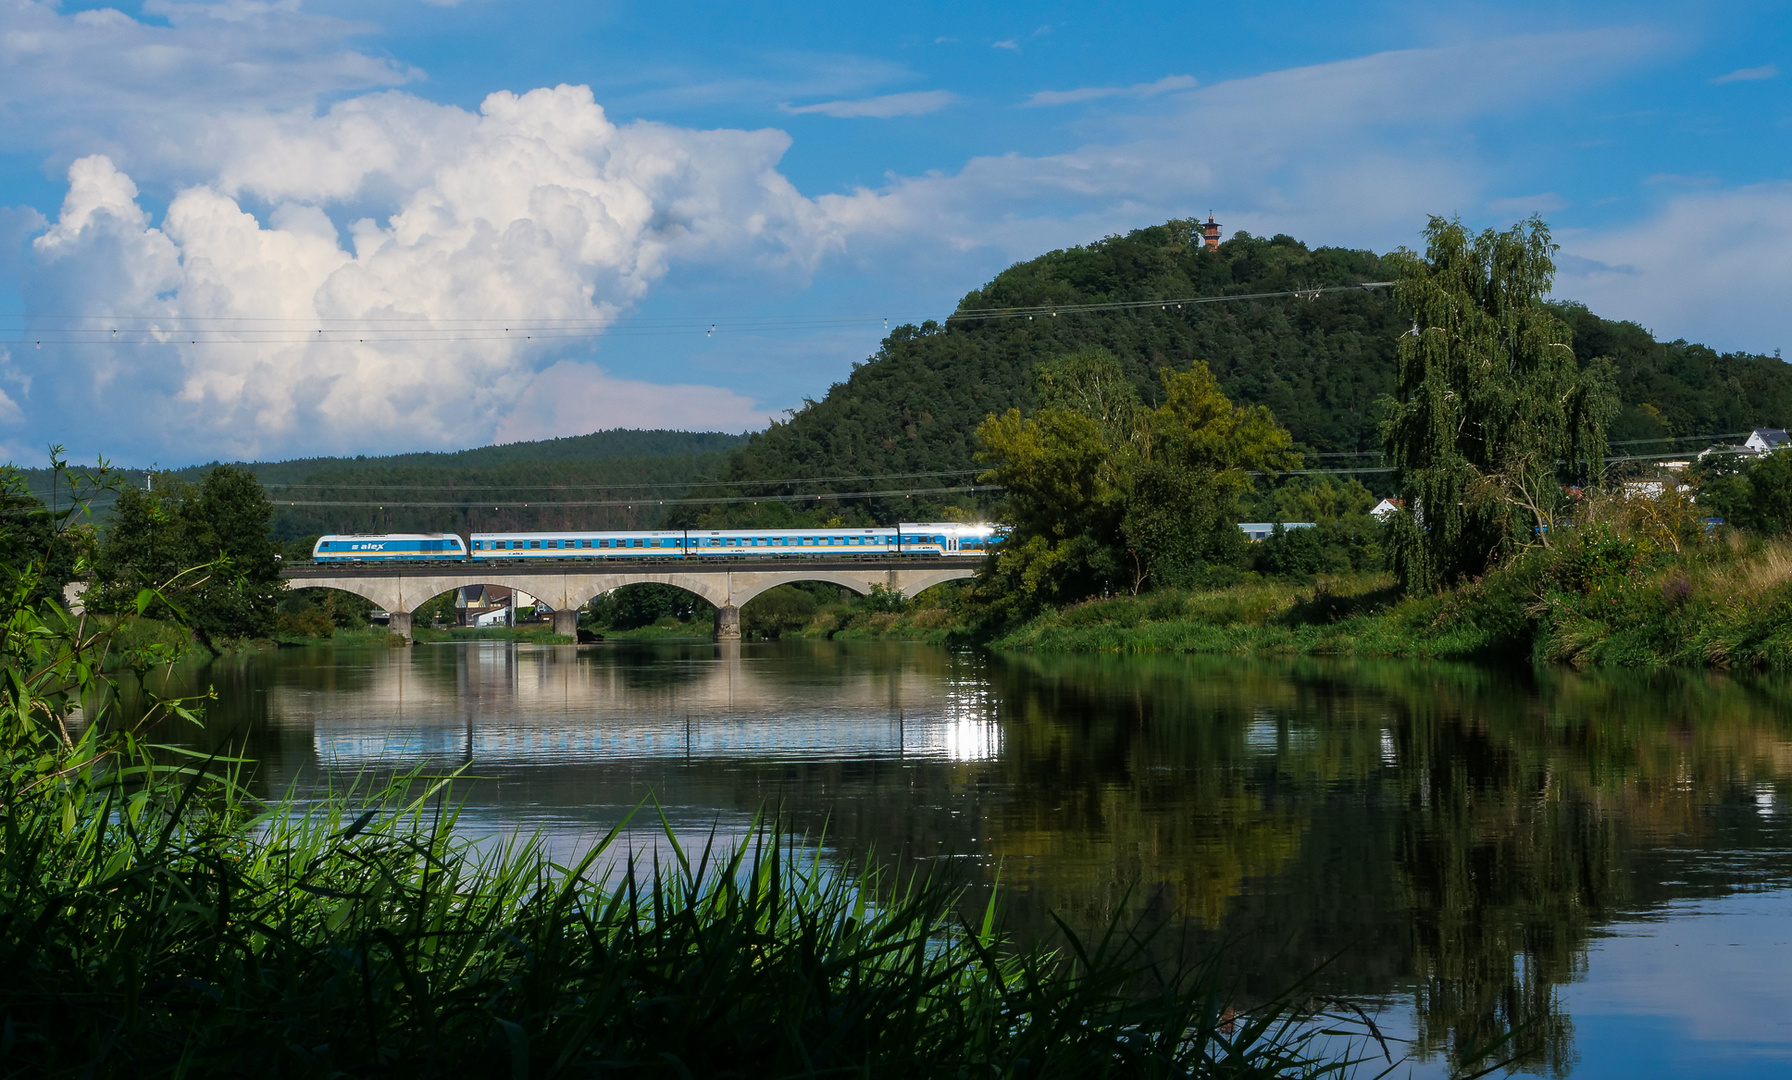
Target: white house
1765	440
1760	441
1384	508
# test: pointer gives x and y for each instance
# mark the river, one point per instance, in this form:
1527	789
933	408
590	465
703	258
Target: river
1605	859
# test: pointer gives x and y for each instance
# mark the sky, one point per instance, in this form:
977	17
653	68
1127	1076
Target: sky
262	230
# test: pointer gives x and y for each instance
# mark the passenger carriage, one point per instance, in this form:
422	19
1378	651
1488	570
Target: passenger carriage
939	538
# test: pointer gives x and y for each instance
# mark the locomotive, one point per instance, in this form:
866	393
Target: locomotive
942	539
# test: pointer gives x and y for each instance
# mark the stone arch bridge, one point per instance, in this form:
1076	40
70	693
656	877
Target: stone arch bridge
402	588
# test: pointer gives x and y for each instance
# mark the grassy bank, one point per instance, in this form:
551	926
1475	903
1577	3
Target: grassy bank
1603	600
1345	616
669	629
536	635
926	620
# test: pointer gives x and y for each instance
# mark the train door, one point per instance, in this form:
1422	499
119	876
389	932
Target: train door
952	543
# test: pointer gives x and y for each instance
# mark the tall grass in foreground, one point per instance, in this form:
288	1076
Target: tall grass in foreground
145	937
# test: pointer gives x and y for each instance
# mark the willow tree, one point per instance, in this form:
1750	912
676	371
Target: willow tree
1493	415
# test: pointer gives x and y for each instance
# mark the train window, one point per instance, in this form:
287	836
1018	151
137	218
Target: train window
535	543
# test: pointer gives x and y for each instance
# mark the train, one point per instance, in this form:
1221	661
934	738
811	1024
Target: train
950	540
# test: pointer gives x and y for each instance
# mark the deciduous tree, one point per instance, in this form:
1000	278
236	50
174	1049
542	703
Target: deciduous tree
214	535
1105	492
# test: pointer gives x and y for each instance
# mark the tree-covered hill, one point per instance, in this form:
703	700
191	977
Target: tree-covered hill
1320	363
552	483
598	446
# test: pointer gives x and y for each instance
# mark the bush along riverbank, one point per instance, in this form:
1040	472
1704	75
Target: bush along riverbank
1599	598
158	920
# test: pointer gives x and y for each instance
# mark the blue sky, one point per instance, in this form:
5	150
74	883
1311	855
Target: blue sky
220	182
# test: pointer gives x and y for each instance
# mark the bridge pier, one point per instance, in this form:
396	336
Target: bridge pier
567	587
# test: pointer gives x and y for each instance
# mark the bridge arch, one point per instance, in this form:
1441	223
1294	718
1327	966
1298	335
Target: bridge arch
400	589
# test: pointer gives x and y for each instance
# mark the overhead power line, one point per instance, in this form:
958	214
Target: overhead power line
237	330
1055	310
827	496
600	485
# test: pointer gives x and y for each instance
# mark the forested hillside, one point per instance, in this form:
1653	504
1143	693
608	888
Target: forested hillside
1320	363
607	479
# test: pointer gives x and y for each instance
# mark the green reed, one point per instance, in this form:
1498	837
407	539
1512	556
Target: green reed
160	929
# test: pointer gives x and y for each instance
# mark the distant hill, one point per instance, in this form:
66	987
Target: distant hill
598	446
1319	363
558	479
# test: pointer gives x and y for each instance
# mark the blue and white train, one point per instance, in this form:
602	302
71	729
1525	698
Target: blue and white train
943	539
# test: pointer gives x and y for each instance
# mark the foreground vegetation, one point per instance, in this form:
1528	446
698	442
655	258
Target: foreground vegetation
157	920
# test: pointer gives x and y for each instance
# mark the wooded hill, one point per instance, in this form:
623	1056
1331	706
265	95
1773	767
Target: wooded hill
559	479
1319	363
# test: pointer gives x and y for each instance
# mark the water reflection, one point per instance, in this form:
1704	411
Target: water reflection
1450	838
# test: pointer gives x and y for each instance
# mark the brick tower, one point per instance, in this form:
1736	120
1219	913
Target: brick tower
1211	231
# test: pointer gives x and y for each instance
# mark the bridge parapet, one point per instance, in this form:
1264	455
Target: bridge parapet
401	589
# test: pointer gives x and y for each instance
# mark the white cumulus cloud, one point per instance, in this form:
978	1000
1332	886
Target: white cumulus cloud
535	210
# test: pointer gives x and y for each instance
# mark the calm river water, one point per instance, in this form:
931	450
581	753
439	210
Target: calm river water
1605	858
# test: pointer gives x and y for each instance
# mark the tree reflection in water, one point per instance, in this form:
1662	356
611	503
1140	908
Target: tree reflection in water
1447	834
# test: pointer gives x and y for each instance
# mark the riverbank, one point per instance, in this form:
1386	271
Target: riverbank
535	635
1352	615
1605	602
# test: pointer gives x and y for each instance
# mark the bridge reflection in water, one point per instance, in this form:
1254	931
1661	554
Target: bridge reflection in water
497	707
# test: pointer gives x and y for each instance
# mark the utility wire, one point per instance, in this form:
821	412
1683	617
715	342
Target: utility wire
833	496
616	487
1053	310
283	330
794	498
